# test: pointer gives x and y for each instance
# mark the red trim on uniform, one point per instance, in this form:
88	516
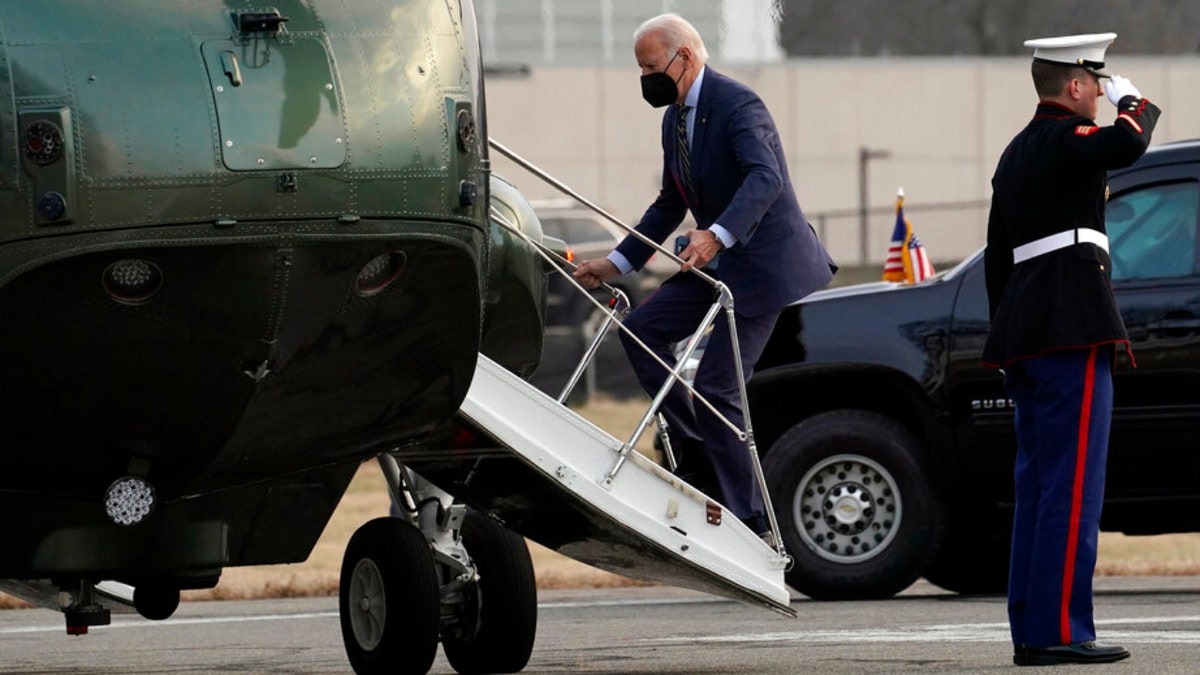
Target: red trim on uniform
1124	343
1085	130
1129	353
1066	112
1081	451
1132	122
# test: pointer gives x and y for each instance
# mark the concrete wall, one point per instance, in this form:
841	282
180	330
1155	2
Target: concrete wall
943	123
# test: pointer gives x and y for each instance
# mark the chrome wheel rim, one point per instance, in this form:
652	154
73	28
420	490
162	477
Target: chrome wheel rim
847	509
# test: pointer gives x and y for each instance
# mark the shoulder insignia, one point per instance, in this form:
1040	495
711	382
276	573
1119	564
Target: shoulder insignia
1084	130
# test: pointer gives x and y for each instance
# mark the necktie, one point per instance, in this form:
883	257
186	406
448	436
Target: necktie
685	159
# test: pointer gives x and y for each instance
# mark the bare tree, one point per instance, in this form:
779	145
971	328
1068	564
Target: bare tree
981	27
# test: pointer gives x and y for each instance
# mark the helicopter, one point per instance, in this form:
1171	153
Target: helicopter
245	249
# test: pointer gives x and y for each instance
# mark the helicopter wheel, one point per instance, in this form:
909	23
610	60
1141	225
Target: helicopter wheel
389	599
155	601
505	599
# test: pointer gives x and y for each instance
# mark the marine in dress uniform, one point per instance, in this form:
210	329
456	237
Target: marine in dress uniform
1055	328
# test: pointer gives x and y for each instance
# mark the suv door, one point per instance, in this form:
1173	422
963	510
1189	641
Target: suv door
1152	220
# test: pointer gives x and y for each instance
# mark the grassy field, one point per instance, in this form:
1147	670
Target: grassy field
1177	554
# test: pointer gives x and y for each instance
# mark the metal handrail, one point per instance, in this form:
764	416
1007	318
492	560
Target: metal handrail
724	301
550	256
562	187
618	305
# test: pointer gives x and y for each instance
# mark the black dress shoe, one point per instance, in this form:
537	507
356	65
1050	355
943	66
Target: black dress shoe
1079	652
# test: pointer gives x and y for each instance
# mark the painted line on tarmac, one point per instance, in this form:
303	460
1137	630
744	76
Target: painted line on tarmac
143	623
978	632
969	632
134	622
631	602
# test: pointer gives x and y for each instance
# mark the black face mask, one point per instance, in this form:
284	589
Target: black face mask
659	89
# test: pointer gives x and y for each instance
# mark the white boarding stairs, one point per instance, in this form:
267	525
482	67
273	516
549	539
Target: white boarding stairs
706	547
655	526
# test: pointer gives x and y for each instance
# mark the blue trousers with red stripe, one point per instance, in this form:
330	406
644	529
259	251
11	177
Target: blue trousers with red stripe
1064	408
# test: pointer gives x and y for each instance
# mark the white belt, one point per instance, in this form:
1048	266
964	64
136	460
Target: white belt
1059	240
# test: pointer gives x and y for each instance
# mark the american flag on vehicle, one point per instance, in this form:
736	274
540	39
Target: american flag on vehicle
907	260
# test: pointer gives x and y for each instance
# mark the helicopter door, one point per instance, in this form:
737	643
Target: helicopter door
278	103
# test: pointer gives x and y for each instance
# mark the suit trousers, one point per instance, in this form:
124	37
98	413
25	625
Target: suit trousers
1063	412
671	314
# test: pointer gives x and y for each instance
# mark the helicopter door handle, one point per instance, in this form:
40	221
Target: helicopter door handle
229	64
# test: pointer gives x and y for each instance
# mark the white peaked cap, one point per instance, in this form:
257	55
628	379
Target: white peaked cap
1086	51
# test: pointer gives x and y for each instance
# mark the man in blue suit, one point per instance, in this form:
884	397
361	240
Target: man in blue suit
723	161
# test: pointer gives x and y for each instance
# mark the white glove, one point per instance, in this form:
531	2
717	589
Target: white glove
1117	87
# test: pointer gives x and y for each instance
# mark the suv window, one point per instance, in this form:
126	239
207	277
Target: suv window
1152	232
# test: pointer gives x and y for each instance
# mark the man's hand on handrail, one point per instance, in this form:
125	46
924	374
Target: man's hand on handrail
591	273
701	249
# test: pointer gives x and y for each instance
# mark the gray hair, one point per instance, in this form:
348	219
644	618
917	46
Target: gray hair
676	32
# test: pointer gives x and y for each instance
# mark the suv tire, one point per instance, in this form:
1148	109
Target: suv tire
975	564
878	521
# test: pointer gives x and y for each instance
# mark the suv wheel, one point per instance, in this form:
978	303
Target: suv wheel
974	564
855	505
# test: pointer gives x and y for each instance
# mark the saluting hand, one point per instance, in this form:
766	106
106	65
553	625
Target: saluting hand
1117	87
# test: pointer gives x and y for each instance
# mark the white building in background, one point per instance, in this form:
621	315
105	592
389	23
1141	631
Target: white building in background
600	32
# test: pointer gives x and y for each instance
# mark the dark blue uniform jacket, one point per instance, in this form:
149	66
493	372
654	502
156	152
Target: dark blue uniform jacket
1052	178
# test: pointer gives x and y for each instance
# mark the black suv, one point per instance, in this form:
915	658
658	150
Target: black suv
889	448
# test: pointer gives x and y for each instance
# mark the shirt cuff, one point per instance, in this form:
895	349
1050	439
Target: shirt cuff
621	262
724	235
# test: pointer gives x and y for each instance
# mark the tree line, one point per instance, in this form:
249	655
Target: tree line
981	27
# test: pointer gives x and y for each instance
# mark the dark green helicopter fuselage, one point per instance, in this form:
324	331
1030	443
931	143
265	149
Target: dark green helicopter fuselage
241	250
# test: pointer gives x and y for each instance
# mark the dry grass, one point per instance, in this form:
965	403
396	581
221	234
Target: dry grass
1176	555
1173	555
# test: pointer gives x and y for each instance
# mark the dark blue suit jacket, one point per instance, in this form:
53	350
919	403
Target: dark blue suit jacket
741	182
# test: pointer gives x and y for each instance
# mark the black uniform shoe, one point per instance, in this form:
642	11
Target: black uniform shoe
1079	652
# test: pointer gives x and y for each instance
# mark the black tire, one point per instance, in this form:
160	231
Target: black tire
389	599
880	521
973	564
155	601
506	601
